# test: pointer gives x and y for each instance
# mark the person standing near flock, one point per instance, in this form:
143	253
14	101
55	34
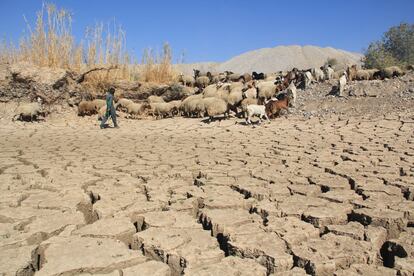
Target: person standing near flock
110	108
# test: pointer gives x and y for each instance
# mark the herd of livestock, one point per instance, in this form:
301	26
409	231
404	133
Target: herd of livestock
219	95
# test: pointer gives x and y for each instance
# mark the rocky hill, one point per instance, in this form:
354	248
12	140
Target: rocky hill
278	58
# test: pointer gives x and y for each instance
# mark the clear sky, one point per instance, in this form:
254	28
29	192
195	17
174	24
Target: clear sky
216	30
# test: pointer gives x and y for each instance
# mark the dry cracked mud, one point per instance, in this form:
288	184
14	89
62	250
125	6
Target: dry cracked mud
298	196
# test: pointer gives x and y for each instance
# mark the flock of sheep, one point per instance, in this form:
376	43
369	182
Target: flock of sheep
213	96
224	94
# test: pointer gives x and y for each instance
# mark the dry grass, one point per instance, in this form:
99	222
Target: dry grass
157	67
51	43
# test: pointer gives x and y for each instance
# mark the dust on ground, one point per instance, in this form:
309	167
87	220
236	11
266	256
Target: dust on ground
326	188
317	194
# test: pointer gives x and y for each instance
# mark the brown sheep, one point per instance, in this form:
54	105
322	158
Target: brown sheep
351	72
246	77
86	108
273	107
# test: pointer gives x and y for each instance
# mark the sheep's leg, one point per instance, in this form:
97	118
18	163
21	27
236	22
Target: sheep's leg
267	118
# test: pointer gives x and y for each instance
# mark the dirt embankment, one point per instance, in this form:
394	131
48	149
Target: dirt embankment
63	90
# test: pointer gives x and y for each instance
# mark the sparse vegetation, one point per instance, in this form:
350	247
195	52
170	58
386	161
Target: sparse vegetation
157	67
395	48
51	43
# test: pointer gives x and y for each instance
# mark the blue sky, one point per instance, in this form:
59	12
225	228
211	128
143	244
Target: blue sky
216	30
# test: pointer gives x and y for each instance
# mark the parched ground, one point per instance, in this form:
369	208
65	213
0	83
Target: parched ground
321	196
327	189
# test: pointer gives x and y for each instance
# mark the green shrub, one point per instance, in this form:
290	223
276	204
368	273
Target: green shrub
395	48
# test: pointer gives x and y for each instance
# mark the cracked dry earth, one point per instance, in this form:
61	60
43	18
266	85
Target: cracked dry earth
176	196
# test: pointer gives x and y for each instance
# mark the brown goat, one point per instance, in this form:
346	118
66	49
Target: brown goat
273	107
352	72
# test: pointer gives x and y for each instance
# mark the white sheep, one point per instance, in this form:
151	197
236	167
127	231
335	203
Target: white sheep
338	74
246	102
101	112
223	91
291	91
234	77
210	91
123	103
28	111
250	93
160	110
256	110
235	97
392	71
363	74
341	84
236	85
215	107
199	108
308	78
135	109
317	74
188	105
186	80
177	105
155	99
328	71
265	89
271	77
202	81
98	103
220	78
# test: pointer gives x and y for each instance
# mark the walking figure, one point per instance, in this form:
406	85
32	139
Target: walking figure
110	108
